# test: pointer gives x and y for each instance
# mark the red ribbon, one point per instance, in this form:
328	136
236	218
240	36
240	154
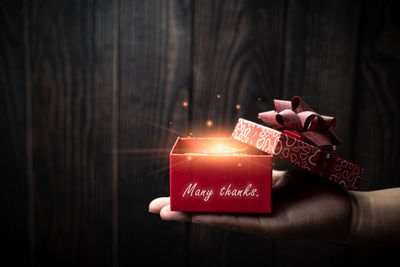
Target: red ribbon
298	117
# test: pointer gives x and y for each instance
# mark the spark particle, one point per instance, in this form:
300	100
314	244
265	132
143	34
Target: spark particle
218	96
185	104
209	123
237	106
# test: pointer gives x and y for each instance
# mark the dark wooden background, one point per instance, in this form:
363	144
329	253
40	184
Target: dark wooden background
91	99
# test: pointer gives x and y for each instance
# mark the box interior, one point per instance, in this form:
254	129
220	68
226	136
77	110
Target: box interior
212	145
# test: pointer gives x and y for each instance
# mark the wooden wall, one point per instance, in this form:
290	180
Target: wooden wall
91	99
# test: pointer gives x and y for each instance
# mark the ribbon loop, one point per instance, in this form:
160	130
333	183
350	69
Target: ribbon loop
297	116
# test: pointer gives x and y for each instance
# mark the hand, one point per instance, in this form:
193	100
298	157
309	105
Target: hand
303	206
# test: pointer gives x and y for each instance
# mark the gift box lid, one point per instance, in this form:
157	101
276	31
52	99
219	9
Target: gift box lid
299	153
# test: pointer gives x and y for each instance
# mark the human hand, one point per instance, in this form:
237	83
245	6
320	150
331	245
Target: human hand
303	206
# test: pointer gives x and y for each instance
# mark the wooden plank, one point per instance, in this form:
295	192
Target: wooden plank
14	185
237	54
237	50
378	123
320	66
72	119
378	114
320	60
154	74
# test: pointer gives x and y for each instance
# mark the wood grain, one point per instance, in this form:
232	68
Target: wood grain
321	59
154	74
72	120
378	113
320	65
91	101
14	183
237	53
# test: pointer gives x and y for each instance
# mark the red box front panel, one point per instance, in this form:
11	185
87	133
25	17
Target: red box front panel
235	183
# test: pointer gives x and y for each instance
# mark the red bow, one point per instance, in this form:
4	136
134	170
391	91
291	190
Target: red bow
298	117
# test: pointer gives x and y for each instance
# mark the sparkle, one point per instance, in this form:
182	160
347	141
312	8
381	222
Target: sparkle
218	96
237	106
185	104
209	123
240	164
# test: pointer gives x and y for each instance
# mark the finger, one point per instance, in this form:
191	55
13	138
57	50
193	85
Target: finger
157	204
232	222
168	215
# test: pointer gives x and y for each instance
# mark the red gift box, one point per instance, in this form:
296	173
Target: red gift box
219	175
298	153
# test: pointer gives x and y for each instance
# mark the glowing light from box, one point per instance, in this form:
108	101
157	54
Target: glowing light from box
220	149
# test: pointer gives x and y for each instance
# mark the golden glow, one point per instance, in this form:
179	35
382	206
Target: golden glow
185	104
217	148
209	123
237	106
218	96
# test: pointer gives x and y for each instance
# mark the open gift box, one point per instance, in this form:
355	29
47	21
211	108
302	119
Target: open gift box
234	174
219	175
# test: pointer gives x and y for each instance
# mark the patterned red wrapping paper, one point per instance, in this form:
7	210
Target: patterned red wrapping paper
298	153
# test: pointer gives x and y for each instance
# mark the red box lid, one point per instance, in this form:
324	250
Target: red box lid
298	153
